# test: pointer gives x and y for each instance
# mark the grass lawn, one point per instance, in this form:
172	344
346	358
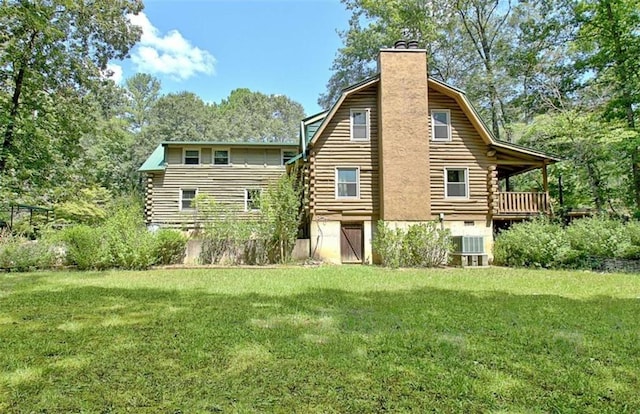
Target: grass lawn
329	339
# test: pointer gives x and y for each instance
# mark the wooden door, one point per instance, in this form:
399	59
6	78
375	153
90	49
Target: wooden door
351	242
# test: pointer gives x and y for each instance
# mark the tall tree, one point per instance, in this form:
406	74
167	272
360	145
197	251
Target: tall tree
143	93
609	37
51	47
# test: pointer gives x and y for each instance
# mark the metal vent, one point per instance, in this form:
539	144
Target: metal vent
468	244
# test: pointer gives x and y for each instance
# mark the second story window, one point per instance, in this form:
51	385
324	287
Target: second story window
347	183
221	157
441	125
456	182
192	157
359	125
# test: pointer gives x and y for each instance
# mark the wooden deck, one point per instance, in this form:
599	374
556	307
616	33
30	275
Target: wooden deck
514	205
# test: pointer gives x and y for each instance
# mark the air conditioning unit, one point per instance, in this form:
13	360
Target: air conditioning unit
468	251
468	244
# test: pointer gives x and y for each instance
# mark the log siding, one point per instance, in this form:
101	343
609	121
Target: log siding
466	149
335	149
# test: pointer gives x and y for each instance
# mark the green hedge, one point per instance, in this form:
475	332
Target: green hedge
420	245
584	244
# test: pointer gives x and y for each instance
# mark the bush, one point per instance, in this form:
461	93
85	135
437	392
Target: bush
421	245
131	245
122	241
387	244
536	243
169	247
599	237
21	255
86	247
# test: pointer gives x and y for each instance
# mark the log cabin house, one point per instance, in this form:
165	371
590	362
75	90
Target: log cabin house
405	148
400	147
233	174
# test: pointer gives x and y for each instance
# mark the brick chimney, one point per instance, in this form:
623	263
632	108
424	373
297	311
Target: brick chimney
403	135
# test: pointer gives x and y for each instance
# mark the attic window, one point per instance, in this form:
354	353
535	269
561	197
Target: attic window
441	125
192	157
359	125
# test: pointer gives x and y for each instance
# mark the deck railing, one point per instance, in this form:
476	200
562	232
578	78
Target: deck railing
522	203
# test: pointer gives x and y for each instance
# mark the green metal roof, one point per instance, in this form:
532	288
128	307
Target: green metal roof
294	159
231	144
155	162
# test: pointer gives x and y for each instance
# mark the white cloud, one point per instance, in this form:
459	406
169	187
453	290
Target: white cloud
113	72
169	54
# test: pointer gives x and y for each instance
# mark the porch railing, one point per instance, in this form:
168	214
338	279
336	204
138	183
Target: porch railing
522	203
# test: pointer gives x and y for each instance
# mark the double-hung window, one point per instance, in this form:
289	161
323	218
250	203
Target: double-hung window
359	125
192	157
456	182
186	199
347	183
441	125
221	157
252	199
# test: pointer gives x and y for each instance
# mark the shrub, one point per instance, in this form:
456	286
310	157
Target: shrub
424	245
387	244
536	243
131	245
21	255
169	247
421	245
599	237
86	247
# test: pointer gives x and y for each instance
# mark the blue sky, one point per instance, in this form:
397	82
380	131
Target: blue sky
211	47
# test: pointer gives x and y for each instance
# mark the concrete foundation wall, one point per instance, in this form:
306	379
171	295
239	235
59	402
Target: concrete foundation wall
325	241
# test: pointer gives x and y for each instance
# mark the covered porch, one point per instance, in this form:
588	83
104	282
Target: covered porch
512	160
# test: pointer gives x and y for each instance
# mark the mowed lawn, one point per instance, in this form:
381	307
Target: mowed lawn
319	340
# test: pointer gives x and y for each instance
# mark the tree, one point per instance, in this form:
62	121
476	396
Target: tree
609	37
248	116
53	50
143	93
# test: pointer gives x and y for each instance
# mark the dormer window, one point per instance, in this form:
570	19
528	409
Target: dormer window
441	125
192	157
359	125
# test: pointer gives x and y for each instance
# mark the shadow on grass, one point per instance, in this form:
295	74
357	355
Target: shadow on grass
113	350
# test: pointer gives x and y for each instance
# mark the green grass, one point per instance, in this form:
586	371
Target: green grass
328	339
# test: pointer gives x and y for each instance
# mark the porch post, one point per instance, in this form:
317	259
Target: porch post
545	185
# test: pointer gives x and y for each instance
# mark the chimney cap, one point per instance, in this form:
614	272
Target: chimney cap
400	44
412	44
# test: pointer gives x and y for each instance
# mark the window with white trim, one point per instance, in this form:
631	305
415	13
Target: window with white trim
221	157
456	182
441	125
347	182
287	156
186	199
359	125
252	199
192	157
